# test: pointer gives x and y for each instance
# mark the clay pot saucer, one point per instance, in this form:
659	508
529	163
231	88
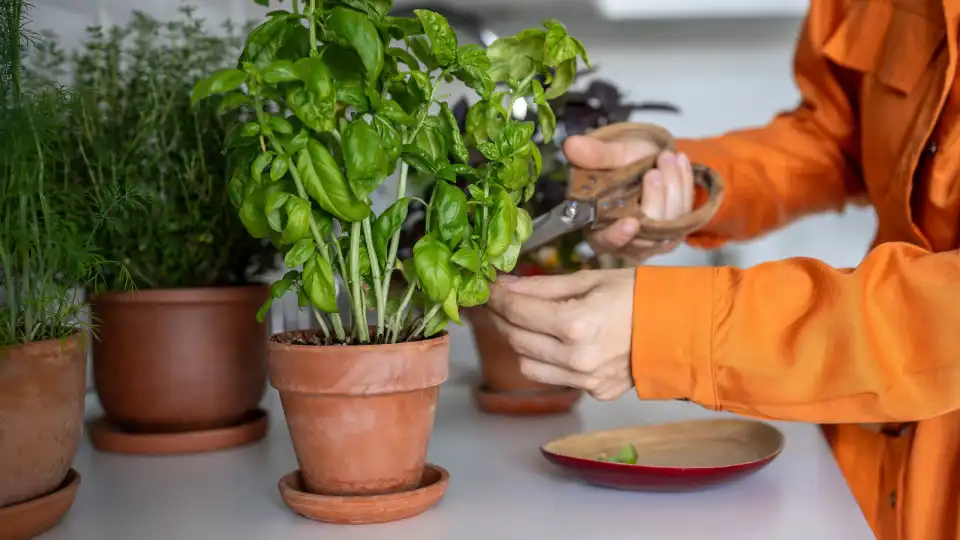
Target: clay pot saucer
108	437
365	509
36	516
526	402
679	456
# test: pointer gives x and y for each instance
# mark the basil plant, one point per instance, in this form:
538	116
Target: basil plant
339	96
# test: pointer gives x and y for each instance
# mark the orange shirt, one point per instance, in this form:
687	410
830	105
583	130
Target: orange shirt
852	348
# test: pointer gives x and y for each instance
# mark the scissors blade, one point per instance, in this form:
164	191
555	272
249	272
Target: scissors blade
563	219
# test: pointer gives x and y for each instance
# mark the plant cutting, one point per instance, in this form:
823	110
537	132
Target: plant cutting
179	364
46	256
339	96
503	389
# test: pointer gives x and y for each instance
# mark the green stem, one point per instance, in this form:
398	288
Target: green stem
296	6
395	241
323	324
378	291
313	27
359	316
398	318
426	319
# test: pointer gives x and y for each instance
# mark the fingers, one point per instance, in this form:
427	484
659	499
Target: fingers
527	312
539	347
687	183
557	287
669	165
589	153
614	237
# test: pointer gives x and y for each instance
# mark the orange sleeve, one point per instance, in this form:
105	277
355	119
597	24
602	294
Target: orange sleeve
798	340
803	162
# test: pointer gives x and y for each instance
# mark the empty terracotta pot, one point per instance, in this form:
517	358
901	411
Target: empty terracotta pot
42	388
499	363
360	417
180	359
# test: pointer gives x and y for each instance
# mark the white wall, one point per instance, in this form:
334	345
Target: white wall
723	73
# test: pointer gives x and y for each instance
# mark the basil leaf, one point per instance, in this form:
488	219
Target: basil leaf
485	120
325	183
431	258
515	57
524	225
298	220
436	324
450	304
395	113
450	214
502	226
443	40
364	157
277	290
387	224
515	173
221	82
418	158
507	260
300	253
320	285
390	141
473	68
421	48
558	46
458	148
352	29
350	87
432	140
280	71
467	257
562	79
252	215
402	27
474	291
405	57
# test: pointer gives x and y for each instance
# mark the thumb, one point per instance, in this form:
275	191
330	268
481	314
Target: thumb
587	152
557	287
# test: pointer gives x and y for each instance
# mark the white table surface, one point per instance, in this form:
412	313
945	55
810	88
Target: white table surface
501	488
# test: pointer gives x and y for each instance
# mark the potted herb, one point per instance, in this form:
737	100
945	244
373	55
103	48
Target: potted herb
46	256
503	389
179	364
341	96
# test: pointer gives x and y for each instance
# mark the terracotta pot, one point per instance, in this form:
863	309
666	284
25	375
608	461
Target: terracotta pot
42	388
180	359
360	416
499	363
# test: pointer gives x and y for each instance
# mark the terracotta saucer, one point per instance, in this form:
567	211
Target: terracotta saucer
526	402
107	437
678	456
34	517
363	510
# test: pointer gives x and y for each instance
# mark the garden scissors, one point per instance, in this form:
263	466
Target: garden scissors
599	198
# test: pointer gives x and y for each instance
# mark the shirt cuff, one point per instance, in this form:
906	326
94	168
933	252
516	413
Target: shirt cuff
672	349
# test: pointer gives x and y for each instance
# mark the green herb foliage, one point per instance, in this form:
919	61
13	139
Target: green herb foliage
362	91
47	253
133	130
627	455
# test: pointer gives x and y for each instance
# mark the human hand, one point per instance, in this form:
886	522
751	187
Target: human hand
570	330
668	191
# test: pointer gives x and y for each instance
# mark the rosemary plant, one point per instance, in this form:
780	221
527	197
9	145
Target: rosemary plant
47	253
134	133
342	96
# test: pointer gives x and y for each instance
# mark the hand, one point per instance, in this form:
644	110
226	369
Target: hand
668	192
570	330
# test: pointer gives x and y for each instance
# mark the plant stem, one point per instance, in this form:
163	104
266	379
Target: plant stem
398	318
296	6
359	315
313	27
323	325
378	291
395	241
426	319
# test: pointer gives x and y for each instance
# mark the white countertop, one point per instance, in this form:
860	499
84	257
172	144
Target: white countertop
501	488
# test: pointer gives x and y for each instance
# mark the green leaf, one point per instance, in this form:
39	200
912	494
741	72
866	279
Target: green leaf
537	159
314	102
450	214
562	79
516	57
421	48
323	221
279	167
436	324
515	137
220	82
364	157
325	183
298	220
277	290
232	101
283	36
259	164
431	258
467	257
252	216
377	9
627	454
350	87
473	68
458	148
465	171
320	286
474	291
300	253
547	120
387	224
558	46
507	260
280	71
450	304
250	129
280	125
352	29
276	199
405	57
489	151
418	158
390	141
485	120
431	138
395	113
524	225
443	40
502	226
402	27
515	173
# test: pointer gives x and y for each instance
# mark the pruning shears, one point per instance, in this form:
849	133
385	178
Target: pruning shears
598	198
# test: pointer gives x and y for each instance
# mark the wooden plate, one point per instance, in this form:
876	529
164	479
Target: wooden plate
681	456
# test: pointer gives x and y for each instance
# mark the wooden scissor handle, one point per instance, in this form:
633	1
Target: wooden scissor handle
617	193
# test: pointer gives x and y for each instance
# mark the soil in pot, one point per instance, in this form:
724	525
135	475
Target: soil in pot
503	388
180	360
42	389
360	417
